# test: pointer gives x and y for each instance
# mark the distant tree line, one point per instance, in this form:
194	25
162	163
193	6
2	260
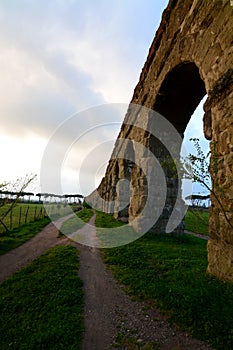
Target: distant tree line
198	200
52	197
12	195
8	196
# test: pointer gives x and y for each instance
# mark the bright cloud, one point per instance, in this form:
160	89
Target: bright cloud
59	57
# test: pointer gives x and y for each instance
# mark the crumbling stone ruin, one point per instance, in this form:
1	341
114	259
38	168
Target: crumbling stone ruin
190	56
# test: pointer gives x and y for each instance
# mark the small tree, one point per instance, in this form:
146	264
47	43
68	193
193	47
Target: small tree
198	168
17	188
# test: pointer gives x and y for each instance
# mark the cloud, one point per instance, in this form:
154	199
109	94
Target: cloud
41	96
91	136
21	156
39	93
58	57
62	56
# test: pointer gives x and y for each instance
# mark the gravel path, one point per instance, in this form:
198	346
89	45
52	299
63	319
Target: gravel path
109	312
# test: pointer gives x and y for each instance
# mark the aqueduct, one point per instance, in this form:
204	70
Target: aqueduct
190	56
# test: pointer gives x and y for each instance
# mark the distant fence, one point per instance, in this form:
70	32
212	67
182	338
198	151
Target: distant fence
24	213
21	214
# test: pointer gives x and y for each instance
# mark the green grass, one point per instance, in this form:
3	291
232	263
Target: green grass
41	306
76	222
33	209
107	220
85	214
170	271
197	221
34	212
13	239
112	232
56	211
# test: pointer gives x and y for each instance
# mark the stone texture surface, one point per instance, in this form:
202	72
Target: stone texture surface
190	56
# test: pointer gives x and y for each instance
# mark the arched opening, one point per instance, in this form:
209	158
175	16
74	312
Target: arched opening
179	96
180	93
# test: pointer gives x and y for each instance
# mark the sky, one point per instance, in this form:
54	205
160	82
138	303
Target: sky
59	58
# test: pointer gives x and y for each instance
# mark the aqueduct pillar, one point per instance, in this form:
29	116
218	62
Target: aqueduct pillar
190	56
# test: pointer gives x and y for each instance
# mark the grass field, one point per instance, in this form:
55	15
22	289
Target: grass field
170	271
197	221
41	306
107	220
18	236
76	222
22	213
111	232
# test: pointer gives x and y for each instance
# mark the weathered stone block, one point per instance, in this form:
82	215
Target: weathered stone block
190	56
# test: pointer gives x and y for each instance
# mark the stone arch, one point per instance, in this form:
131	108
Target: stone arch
179	94
193	44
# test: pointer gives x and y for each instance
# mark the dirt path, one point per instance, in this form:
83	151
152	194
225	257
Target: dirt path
19	257
87	234
109	311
